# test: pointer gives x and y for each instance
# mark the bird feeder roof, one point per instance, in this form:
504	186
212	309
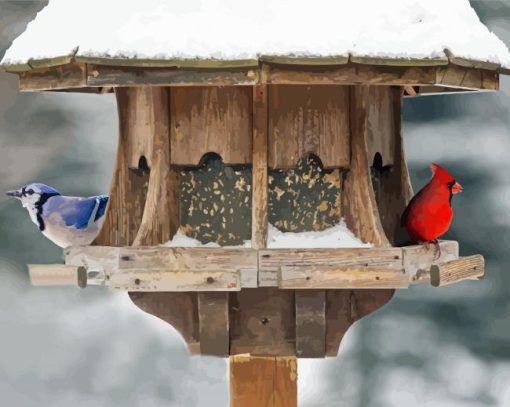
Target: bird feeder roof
240	34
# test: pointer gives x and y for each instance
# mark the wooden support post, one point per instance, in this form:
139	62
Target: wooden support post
263	381
260	164
213	319
310	323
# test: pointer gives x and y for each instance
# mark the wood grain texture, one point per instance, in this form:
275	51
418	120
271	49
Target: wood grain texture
341	277
359	206
169	280
418	259
263	381
104	75
53	78
395	190
67	78
211	119
259	168
214	323
160	218
307	120
310	323
178	309
262	322
380	130
465	268
128	188
57	274
271	261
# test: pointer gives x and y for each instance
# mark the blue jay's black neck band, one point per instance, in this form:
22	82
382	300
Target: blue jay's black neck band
39	207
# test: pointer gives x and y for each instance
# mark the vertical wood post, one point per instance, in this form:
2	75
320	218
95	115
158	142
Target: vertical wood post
262	381
260	164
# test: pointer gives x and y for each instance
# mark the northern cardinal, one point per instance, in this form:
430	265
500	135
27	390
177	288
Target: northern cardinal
430	213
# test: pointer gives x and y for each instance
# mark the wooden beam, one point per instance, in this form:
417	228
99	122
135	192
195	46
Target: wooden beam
214	323
465	268
271	261
260	167
77	75
418	259
57	274
176	281
102	75
263	381
331	277
53	78
310	323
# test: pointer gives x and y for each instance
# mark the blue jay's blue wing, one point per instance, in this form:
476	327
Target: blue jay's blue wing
102	201
78	212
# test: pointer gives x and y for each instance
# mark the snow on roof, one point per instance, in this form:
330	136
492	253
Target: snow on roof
244	30
338	236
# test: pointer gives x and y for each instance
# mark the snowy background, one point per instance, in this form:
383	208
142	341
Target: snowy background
429	347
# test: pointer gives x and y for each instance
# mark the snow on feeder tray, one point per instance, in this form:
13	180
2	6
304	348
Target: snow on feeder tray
219	147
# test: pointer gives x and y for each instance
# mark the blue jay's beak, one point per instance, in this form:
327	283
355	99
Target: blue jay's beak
15	194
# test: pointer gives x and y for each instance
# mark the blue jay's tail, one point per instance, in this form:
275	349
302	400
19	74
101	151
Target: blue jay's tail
102	202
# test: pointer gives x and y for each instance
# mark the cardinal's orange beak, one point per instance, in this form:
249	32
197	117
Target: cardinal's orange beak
457	188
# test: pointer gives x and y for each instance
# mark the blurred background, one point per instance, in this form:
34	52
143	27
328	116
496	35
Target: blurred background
428	347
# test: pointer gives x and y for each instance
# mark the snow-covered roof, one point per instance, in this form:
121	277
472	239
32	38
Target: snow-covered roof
241	32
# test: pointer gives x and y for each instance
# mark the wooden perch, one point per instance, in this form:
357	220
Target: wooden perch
465	268
57	274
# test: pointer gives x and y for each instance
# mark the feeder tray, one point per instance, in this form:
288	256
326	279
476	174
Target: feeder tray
263	120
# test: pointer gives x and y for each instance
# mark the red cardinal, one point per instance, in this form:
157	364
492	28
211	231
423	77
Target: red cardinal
430	213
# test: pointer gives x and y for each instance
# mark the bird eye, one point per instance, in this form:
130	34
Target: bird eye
30	192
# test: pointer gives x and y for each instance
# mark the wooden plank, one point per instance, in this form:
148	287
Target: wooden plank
308	120
395	190
465	268
359	206
214	323
259	169
310	323
209	63
305	61
182	258
103	75
380	130
467	78
160	220
351	74
169	280
272	260
129	185
263	381
211	119
418	259
52	78
307	277
57	275
262	322
398	61
102	258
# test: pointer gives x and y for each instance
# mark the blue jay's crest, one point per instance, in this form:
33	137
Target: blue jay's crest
41	189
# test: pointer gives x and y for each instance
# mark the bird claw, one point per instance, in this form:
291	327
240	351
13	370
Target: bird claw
437	248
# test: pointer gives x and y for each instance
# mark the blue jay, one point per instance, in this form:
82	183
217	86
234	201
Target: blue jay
65	220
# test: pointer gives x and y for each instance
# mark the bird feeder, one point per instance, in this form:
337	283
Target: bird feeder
219	149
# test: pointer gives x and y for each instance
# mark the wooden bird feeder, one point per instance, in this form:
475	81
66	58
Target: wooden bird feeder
303	143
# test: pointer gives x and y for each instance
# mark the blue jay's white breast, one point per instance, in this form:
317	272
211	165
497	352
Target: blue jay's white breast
71	221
